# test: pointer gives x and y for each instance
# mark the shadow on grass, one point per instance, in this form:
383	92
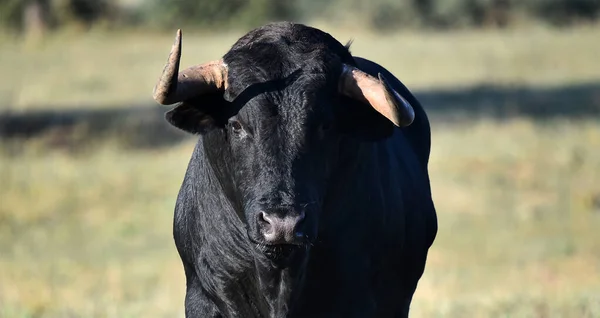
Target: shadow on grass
502	103
143	126
133	126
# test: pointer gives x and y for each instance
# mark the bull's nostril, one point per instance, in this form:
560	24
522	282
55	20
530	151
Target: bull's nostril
278	229
262	218
300	219
299	225
265	222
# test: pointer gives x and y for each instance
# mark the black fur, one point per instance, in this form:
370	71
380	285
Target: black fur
282	139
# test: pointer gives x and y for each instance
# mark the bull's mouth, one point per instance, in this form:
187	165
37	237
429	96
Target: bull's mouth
280	254
280	251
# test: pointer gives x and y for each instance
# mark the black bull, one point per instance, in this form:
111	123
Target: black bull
308	193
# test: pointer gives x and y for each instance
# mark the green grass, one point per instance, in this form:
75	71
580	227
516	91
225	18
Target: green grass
116	69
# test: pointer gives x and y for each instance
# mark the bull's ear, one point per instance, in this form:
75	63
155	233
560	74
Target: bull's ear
361	119
200	115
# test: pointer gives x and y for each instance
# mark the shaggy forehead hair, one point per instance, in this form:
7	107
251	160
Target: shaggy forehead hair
274	54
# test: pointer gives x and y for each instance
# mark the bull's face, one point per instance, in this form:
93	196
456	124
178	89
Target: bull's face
282	148
278	137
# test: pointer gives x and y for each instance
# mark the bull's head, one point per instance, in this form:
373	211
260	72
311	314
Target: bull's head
280	153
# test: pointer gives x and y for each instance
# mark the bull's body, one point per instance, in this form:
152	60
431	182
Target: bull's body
376	222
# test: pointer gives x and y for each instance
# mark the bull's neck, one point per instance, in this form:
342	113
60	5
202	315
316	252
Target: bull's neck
280	288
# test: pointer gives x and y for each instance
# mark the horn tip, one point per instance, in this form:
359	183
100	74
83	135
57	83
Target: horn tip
177	42
401	118
383	80
178	37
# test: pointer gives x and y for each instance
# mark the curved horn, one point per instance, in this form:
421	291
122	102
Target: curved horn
361	86
174	86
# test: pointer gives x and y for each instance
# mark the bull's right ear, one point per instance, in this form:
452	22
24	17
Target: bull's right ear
200	115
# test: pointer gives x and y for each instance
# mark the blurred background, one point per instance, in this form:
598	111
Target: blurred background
89	169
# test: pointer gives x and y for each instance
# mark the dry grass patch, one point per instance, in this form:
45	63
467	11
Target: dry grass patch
89	234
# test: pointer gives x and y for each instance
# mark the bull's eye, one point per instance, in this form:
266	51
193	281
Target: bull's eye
323	129
236	127
326	126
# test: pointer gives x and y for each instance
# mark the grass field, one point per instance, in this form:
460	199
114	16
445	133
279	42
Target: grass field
115	69
88	233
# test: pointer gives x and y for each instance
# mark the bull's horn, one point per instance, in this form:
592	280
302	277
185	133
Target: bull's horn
361	86
174	86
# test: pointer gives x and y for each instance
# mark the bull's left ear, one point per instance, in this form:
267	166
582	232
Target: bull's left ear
201	114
